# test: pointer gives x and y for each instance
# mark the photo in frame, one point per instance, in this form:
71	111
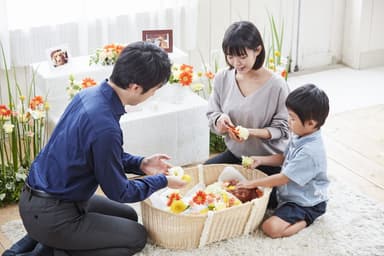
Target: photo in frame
58	55
162	38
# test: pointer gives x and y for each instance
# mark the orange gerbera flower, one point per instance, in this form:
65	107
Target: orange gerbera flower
172	197
209	75
4	111
200	197
186	68
109	47
36	101
119	48
284	73
88	82
185	78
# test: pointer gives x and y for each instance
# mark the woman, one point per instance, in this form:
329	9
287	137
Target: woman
247	94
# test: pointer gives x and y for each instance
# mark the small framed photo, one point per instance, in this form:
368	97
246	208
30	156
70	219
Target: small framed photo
162	38
58	55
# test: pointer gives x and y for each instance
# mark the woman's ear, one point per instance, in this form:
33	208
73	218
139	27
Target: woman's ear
258	50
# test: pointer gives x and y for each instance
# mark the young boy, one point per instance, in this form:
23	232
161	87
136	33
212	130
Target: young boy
302	184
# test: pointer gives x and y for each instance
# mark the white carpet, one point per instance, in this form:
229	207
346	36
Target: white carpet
353	225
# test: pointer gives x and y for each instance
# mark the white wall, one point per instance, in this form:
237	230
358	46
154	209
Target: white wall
364	38
331	31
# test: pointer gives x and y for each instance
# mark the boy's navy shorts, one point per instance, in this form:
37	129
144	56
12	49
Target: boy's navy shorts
292	213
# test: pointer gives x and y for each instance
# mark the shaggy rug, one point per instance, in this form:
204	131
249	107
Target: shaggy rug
353	225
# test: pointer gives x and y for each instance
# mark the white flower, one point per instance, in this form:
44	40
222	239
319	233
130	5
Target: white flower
20	176
243	132
8	127
2	196
9	186
176	171
37	114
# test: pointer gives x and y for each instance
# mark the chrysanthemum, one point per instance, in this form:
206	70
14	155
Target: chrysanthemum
178	206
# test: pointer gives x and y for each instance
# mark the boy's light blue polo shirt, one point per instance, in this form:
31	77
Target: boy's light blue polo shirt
306	167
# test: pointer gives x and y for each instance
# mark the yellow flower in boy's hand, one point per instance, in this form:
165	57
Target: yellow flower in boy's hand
246	162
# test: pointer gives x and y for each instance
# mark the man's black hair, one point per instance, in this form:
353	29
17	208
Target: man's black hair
309	102
142	63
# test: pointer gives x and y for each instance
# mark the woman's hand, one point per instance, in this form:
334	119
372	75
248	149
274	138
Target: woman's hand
155	164
224	123
175	182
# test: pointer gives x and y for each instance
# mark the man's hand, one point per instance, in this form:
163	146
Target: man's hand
155	164
175	182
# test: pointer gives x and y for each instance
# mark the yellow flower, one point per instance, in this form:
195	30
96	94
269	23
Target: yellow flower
246	162
46	106
178	206
197	87
187	178
277	54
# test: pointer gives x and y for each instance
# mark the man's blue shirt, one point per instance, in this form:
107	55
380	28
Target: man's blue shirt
86	150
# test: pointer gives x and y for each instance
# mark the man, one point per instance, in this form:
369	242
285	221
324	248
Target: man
58	206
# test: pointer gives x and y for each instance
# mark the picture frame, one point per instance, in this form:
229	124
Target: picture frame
161	37
58	55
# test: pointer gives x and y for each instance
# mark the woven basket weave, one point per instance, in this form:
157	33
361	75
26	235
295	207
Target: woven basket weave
192	231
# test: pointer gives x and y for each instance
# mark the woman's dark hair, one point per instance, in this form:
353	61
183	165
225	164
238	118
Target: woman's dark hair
239	36
141	63
309	103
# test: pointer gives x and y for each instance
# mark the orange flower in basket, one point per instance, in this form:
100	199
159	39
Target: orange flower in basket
200	197
172	197
88	82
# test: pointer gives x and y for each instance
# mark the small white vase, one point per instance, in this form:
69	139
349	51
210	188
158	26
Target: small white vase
179	93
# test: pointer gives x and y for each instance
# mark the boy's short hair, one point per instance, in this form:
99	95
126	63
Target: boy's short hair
141	63
309	103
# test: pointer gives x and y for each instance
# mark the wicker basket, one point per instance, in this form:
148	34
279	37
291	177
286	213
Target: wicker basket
189	231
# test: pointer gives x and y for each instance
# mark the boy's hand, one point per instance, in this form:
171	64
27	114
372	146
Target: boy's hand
245	184
175	182
256	162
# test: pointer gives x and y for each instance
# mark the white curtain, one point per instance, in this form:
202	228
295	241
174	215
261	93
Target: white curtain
29	28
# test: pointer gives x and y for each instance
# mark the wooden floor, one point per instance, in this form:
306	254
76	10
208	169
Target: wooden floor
355	148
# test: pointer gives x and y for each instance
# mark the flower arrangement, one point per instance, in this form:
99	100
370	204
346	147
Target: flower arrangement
184	75
23	132
214	197
275	61
74	86
198	200
106	55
